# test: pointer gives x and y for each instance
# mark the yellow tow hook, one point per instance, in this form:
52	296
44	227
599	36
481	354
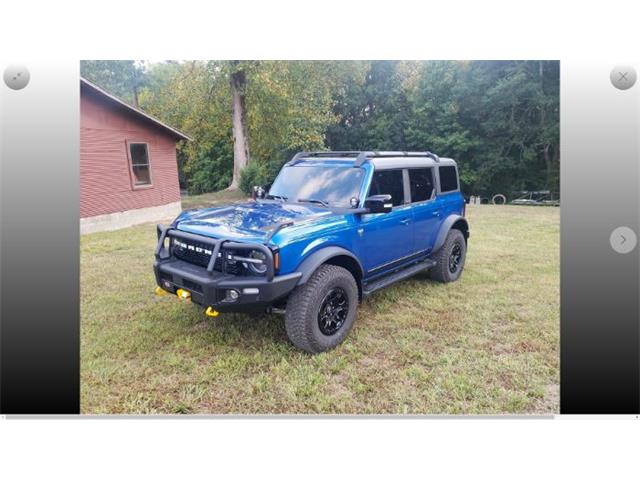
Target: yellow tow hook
211	312
183	294
161	291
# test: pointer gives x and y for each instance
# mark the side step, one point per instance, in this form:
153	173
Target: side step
394	277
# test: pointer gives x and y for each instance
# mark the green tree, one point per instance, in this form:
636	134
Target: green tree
373	109
123	78
498	119
238	72
195	98
290	107
494	117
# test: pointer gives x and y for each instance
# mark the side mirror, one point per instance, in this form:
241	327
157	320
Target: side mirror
258	192
378	203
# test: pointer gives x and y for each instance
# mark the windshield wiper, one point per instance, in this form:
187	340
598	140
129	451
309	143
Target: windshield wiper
278	197
314	200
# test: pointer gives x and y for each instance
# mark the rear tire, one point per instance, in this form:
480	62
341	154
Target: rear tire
450	258
321	312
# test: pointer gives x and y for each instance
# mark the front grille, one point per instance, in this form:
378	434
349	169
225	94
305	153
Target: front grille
197	253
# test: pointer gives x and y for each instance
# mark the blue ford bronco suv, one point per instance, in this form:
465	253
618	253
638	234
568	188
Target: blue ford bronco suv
333	228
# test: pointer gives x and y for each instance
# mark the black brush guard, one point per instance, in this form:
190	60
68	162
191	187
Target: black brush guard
208	286
216	245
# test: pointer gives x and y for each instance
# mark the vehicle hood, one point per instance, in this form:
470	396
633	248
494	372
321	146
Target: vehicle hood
250	221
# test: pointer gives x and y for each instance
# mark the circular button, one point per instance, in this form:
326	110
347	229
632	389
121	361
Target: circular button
623	240
623	77
16	77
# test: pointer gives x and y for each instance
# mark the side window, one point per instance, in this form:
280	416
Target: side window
139	158
388	182
421	181
448	179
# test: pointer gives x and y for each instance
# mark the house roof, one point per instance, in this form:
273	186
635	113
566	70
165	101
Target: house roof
113	99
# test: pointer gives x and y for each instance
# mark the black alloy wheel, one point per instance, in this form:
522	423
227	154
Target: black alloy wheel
321	311
333	311
450	258
455	257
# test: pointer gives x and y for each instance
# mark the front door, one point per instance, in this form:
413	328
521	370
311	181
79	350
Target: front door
387	237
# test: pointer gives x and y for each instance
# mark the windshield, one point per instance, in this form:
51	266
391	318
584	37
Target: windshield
333	186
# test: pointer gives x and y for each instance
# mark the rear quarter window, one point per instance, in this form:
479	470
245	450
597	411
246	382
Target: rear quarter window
448	179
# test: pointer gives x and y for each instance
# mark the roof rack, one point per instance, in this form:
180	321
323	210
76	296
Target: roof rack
361	156
327	153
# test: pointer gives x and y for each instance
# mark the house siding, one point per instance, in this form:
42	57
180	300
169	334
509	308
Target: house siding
105	181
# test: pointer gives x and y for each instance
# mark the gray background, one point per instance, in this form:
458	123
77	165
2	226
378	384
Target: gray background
39	241
599	287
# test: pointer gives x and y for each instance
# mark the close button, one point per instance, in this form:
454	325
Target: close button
623	77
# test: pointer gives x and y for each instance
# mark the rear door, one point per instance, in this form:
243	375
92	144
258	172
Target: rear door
449	195
427	211
387	237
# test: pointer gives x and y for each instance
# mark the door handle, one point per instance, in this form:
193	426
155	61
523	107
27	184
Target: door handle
405	221
436	213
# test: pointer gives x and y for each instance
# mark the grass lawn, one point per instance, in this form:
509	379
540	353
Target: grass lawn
486	344
211	199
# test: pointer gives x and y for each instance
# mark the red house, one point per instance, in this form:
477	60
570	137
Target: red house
128	166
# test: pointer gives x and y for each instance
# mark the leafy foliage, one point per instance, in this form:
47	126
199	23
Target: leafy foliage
374	111
194	97
255	173
495	118
124	78
498	119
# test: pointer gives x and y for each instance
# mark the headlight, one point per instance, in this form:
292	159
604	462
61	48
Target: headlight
259	268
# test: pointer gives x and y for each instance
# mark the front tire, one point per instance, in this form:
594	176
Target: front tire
450	258
321	312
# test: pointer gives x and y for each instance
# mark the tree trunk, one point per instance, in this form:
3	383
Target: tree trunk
541	75
135	80
240	134
555	163
548	165
135	97
552	164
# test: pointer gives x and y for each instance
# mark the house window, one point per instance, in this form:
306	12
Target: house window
139	159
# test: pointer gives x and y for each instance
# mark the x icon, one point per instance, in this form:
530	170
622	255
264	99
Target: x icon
623	76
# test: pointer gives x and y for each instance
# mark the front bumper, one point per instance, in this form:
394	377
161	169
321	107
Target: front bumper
209	287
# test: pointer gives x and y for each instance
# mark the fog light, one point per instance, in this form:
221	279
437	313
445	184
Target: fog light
233	295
